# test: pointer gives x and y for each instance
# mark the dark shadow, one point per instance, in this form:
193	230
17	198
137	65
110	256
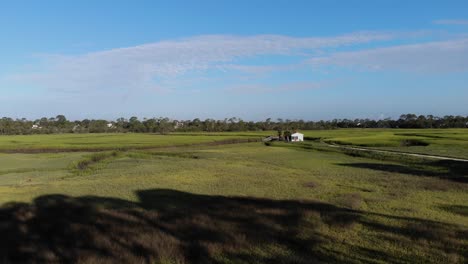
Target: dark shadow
456	171
456	209
180	227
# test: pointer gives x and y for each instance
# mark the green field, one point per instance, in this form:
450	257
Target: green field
162	199
98	142
445	142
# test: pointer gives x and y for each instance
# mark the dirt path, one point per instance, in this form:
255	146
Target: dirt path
396	152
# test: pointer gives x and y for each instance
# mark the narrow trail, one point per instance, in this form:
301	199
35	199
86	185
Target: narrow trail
396	152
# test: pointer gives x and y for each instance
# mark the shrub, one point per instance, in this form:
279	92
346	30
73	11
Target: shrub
413	142
85	163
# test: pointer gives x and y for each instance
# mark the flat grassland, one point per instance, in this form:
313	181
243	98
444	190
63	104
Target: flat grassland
111	141
444	142
162	199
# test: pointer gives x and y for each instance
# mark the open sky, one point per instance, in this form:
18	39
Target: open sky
251	59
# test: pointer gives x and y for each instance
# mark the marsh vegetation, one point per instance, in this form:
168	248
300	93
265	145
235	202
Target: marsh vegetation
195	199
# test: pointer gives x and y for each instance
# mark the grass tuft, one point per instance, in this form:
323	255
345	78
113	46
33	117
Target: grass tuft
350	200
310	185
87	163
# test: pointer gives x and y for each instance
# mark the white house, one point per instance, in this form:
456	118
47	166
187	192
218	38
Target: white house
296	137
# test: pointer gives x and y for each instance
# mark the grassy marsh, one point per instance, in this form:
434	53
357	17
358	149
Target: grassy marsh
236	203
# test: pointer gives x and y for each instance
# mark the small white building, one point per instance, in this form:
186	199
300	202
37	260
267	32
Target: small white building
297	137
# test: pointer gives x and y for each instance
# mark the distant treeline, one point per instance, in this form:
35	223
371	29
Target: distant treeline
60	124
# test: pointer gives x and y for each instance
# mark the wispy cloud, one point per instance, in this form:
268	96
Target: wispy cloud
259	69
143	67
442	56
264	89
451	22
166	65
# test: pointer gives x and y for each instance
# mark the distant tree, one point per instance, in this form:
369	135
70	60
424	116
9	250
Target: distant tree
134	125
287	135
164	125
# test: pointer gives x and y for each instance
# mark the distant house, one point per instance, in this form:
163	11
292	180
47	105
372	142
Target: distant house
297	137
35	126
110	125
178	124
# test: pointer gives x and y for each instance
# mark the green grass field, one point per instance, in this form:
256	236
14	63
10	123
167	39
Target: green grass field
445	142
98	142
234	203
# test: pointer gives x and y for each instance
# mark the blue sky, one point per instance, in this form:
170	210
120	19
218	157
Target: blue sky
251	59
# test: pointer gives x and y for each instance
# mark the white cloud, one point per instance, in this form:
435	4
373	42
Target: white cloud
443	56
259	69
451	22
166	65
264	88
144	66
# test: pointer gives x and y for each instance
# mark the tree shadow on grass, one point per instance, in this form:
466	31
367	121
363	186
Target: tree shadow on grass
179	227
456	209
456	171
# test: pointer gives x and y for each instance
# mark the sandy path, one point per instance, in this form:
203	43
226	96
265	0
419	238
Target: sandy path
397	152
